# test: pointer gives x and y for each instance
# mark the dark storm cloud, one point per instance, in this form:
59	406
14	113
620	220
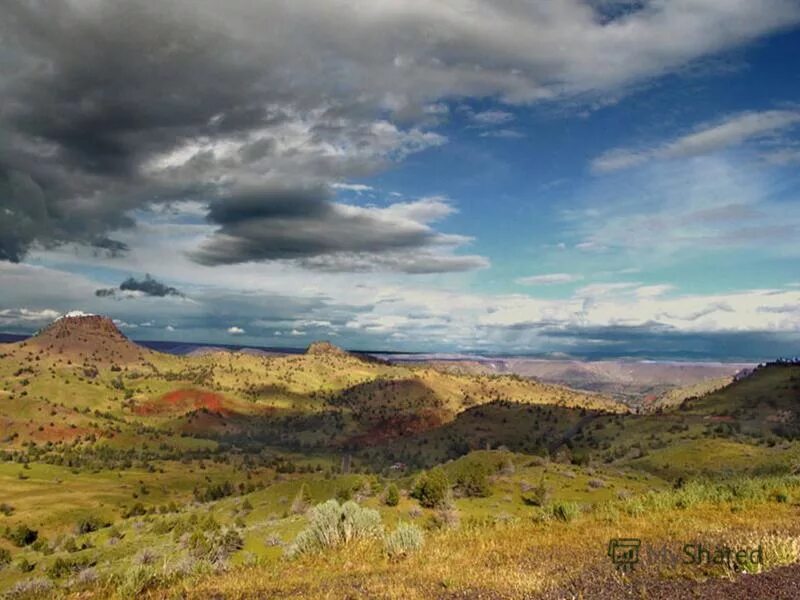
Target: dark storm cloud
147	286
109	91
277	203
109	107
89	94
304	225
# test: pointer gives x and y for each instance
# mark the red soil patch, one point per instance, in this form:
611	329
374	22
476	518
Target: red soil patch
398	426
186	400
60	433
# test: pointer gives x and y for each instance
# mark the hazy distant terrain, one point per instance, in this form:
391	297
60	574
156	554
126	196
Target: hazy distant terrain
634	382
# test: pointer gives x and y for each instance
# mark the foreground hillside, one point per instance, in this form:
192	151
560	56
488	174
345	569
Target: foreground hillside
129	473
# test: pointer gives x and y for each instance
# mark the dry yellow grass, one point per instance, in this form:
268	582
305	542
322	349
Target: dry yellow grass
515	560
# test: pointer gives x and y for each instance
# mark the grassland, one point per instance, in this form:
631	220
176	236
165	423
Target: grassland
150	475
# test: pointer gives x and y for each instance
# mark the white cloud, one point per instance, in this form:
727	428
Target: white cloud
706	139
509	134
359	188
549	279
653	291
369	309
603	289
700	204
25	316
492	117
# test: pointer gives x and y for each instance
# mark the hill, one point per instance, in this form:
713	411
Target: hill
325	348
87	338
324	398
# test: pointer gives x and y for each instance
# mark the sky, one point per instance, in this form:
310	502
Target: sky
593	178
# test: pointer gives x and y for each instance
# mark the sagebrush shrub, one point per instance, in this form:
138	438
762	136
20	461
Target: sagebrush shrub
332	524
135	581
31	588
407	538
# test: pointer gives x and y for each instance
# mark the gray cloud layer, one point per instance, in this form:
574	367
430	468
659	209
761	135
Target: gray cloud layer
110	107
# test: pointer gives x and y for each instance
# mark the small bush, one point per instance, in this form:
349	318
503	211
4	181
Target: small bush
332	524
404	540
135	581
565	511
31	588
392	497
137	510
22	535
473	480
215	545
444	518
41	545
86	577
5	557
432	489
90	524
61	567
780	495
146	556
214	492
537	495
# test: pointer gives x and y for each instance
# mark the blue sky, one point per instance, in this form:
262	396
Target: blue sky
599	179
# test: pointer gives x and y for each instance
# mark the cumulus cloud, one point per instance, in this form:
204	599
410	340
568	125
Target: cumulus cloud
235	330
110	107
708	138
